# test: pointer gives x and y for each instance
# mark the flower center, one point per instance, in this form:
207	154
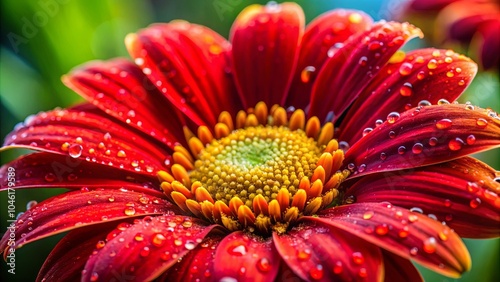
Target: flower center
260	175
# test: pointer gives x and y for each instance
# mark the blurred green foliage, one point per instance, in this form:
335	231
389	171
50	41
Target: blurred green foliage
44	39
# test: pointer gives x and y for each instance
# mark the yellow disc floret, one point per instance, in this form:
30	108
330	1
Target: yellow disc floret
260	176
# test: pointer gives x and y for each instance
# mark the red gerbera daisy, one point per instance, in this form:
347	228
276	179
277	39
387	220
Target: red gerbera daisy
215	161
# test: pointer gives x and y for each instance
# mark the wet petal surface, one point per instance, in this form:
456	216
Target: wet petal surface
407	234
424	135
463	193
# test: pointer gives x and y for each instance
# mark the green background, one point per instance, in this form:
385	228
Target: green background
43	39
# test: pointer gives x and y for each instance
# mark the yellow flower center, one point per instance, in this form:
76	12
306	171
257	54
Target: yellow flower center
259	175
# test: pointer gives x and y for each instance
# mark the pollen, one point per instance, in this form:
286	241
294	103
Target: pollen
260	172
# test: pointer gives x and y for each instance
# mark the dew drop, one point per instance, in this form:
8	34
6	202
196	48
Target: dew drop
50	177
447	203
417	148
145	252
392	134
31	204
189	245
363	273
358	258
412	217
158	240
139	237
420	75
378	122
433	141
368	215
239	250
75	150
403	233
414	251
316	272
430	245
351	199
455	144
94	276
305	75
100	244
264	265
344	146
481	123
129	211
303	254
432	64
401	150
338	267
444	123
382	229
121	154
367	130
107	136
474	203
471	139
443	102
424	103
406	90
443	235
392	117
405	69
362	61
383	156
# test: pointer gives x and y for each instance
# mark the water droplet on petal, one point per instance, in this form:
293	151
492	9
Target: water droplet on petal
368	215
351	199
444	123
139	237
471	139
433	141
263	265
367	130
303	254
129	211
417	148
316	272
189	245
75	150
474	203
158	240
362	61
358	258
455	144
121	154
432	64
338	267
50	177
401	150
414	251
382	229
406	90
31	204
305	75
481	122
94	276
392	117
145	252
430	245
443	235
405	69
383	156
239	250
424	103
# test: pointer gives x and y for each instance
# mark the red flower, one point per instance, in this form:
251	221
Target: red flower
265	193
473	23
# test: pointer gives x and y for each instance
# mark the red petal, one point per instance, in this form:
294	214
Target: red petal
426	74
51	170
245	257
350	69
424	136
67	259
324	253
81	208
189	64
399	269
91	137
119	88
487	41
197	265
462	193
321	35
265	50
146	249
406	234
